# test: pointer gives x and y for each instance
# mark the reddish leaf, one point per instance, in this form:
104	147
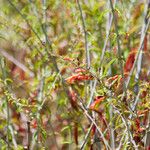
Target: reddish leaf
137	123
79	70
145	119
143	94
96	102
141	112
63	70
116	83
34	124
137	128
21	129
146	60
140	129
93	130
130	61
16	71
68	59
136	138
91	147
102	117
78	77
148	148
115	50
145	44
111	79
73	98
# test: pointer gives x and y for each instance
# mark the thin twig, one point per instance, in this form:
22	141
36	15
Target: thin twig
92	93
13	136
111	110
140	58
3	137
86	137
121	141
108	27
134	104
40	99
112	128
127	127
143	34
16	62
28	135
53	84
85	37
120	57
93	121
109	24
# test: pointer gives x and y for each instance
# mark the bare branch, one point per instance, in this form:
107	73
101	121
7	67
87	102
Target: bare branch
86	137
85	37
143	34
93	121
120	57
16	62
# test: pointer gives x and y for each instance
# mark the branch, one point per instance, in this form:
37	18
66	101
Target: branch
127	128
108	27
143	34
16	62
93	121
86	137
85	37
28	135
109	24
118	43
140	58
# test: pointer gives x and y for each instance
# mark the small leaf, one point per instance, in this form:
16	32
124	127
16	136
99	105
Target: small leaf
65	128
